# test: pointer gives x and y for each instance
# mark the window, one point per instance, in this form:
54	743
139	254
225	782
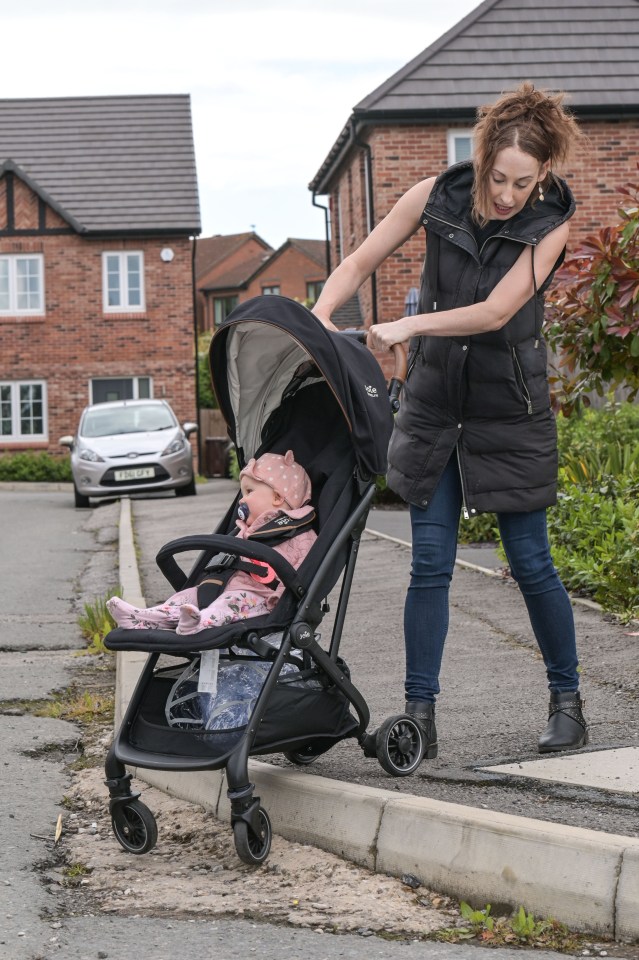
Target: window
222	306
23	410
460	145
313	290
271	290
123	282
121	388
21	284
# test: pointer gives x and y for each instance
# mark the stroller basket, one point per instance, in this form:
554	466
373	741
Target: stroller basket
321	713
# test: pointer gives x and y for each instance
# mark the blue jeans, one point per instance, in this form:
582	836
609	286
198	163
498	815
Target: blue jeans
525	540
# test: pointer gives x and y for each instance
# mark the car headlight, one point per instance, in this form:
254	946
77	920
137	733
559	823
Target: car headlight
175	446
87	454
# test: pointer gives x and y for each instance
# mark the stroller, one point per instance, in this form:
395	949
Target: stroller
283	381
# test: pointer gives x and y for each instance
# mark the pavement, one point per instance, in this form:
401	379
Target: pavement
489	820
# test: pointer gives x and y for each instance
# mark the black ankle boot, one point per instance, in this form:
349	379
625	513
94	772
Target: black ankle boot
424	712
567	728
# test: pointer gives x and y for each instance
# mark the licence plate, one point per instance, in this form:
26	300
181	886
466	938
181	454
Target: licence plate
134	473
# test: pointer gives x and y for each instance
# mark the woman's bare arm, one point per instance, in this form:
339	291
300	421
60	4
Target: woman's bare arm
510	294
400	224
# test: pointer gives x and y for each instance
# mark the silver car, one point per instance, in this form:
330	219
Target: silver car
130	446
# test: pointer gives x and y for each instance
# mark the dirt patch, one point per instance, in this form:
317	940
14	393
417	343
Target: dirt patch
194	871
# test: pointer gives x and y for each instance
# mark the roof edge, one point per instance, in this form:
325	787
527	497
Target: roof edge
10	166
425	54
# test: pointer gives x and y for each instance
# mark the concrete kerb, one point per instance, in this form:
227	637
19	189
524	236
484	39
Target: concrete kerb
586	879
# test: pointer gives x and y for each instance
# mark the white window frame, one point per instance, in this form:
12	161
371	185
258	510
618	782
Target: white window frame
16	436
272	289
12	271
124	306
136	385
454	135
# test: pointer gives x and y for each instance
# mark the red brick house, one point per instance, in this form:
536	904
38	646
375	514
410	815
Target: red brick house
222	263
98	202
419	120
232	269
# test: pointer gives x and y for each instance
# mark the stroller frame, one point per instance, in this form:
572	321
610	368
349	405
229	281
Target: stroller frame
398	744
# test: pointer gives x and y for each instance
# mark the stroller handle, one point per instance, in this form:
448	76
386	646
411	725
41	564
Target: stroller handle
399	372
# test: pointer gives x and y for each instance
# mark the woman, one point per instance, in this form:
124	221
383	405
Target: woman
475	431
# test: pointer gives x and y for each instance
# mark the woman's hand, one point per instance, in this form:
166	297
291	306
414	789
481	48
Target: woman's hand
383	336
324	319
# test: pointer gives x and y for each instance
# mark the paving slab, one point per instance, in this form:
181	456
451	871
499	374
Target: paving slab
616	770
34	674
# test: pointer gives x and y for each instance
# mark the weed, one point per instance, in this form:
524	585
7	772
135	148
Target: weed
76	870
85	707
520	929
95	622
73	874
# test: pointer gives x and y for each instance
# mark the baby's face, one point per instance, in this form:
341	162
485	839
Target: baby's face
258	497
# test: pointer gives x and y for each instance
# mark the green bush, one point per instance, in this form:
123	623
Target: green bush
31	466
594	534
581	433
594	529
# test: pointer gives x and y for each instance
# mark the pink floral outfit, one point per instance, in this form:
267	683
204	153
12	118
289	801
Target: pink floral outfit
246	594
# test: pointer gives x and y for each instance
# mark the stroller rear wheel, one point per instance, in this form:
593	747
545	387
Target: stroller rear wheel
253	848
399	744
134	826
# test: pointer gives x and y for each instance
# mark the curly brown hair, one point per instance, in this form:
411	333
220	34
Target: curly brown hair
534	121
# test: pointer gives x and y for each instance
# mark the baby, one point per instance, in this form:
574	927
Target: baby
273	488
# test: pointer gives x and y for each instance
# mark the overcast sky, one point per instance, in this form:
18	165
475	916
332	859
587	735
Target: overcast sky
272	82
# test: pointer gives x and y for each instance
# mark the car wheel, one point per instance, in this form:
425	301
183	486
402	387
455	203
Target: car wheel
80	499
187	491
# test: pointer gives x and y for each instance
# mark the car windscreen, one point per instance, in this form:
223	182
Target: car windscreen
106	423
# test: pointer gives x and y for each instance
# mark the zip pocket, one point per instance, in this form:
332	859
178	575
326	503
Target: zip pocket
522	382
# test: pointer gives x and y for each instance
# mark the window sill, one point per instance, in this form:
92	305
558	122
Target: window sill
142	315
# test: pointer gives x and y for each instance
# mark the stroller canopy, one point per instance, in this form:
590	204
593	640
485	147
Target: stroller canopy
271	346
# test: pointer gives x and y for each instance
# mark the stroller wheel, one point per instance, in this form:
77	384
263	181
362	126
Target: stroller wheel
305	755
251	847
399	744
300	757
134	826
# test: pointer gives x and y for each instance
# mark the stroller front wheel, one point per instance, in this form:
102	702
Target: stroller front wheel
134	826
253	848
399	744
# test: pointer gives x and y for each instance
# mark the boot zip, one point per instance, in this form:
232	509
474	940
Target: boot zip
524	386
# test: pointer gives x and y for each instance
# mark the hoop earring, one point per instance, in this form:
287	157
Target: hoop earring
541	191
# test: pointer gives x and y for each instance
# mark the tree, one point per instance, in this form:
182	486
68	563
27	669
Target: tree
593	310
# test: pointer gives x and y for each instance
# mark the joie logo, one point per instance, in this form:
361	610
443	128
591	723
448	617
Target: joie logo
282	521
371	391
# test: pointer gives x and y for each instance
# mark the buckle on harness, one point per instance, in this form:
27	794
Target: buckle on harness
267	577
222	561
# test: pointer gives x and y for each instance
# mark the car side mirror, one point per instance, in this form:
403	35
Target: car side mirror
189	428
66	442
